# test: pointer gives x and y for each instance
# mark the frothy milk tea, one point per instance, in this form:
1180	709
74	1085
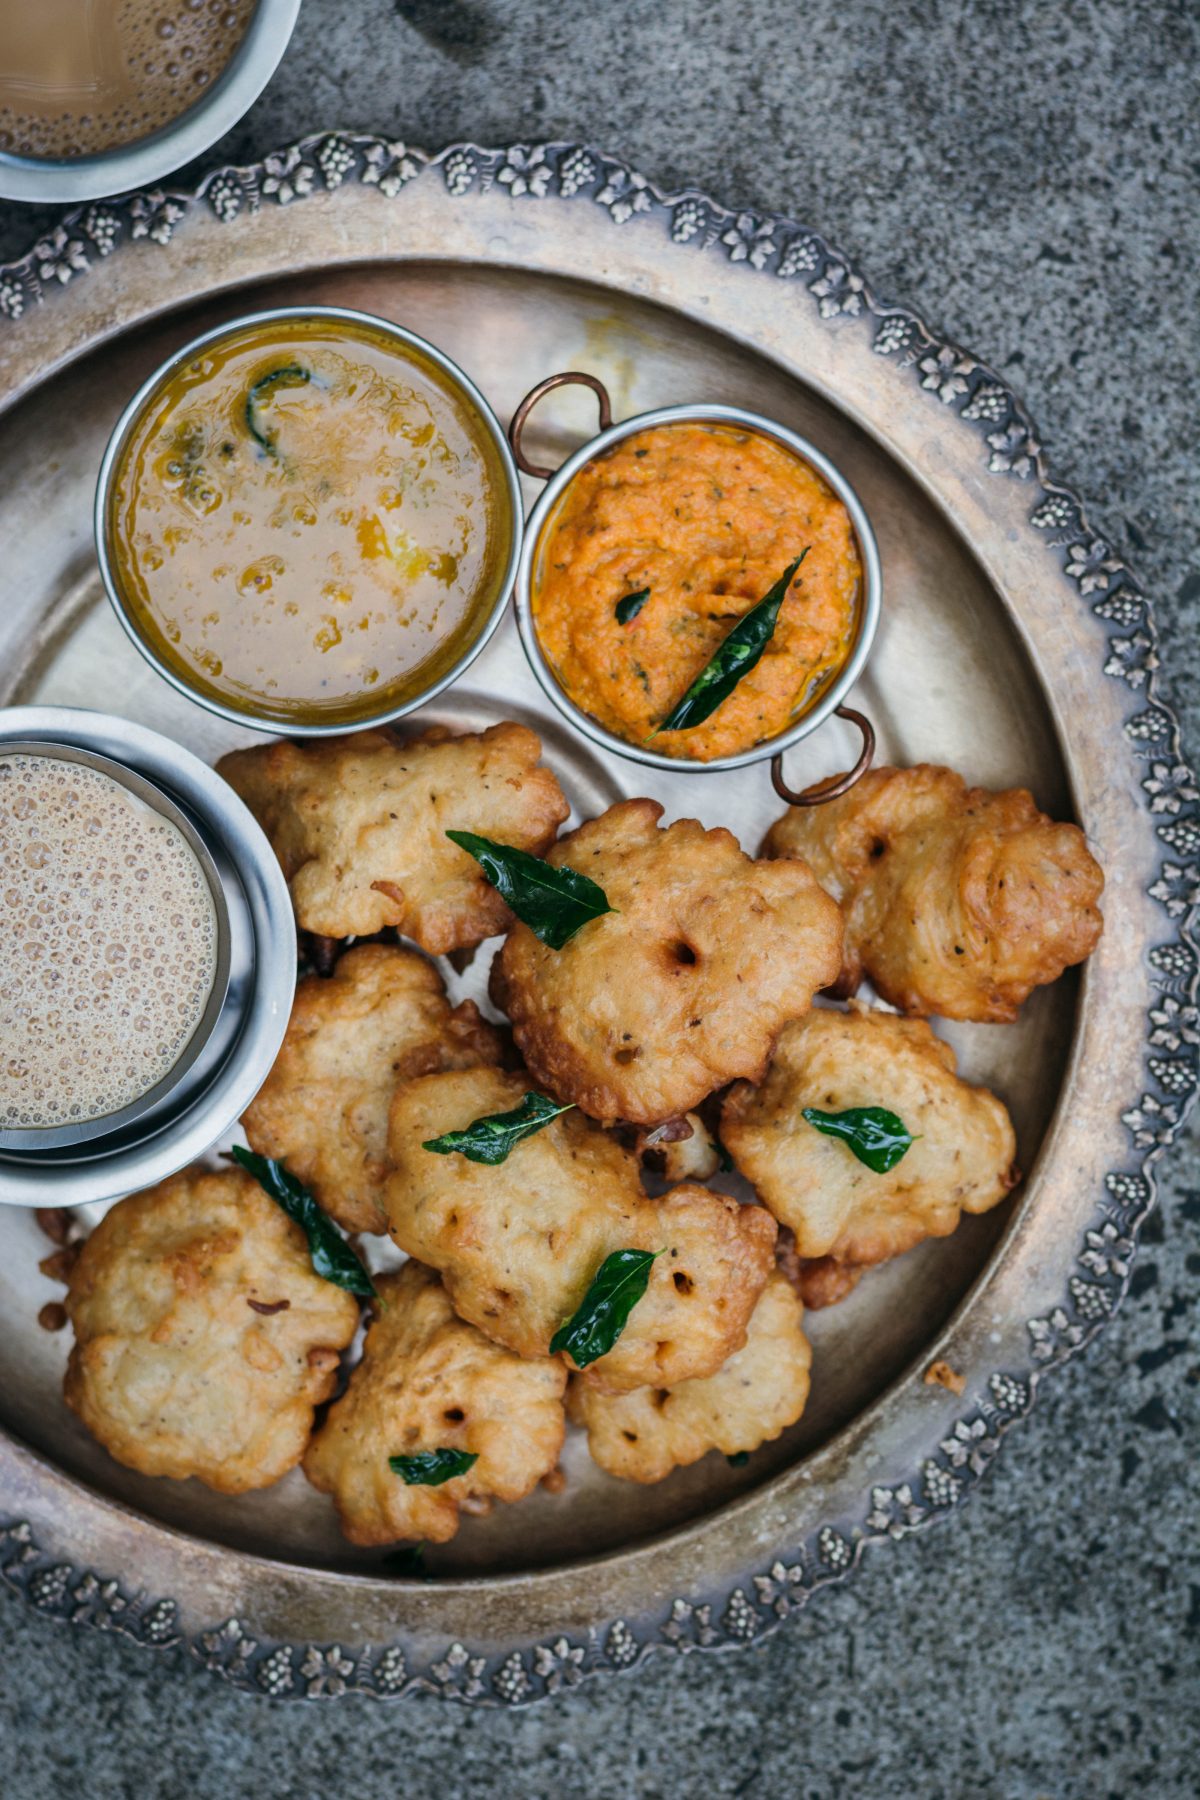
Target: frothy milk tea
110	943
78	77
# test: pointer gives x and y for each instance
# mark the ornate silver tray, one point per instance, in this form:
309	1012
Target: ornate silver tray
1015	645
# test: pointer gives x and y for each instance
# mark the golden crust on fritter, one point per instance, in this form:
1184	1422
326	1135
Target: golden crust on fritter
716	1257
359	826
838	1208
822	1281
203	1339
957	901
380	1019
518	1243
683	986
758	1393
428	1381
818	1280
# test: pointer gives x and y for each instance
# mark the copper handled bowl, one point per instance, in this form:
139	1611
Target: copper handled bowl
829	702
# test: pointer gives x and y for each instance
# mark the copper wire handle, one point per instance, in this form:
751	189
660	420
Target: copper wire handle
840	784
531	399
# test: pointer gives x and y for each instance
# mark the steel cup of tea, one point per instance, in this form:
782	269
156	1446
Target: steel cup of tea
223	1063
205	116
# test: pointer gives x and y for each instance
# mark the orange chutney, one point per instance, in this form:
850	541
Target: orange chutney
309	521
707	517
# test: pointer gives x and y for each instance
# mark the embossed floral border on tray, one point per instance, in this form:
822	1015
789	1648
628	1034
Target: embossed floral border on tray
818	275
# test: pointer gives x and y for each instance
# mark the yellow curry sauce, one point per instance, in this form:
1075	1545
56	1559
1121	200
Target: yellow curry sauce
707	517
309	521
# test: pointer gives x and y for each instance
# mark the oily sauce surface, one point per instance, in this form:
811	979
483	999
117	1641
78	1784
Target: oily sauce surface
707	517
309	522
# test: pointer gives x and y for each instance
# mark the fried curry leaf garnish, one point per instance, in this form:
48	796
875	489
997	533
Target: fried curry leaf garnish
734	657
429	1468
408	1559
554	903
332	1257
876	1136
615	1290
489	1140
290	375
627	610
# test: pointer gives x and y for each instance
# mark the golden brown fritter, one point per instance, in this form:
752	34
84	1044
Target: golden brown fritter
841	1212
428	1381
683	986
957	901
822	1281
758	1393
203	1339
518	1243
380	1019
818	1280
359	826
716	1257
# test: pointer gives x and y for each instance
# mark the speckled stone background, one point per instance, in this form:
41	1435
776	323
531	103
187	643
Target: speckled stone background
1026	174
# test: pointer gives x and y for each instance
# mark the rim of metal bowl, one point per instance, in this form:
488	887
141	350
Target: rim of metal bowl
870	600
26	1181
411	340
57	1137
148	159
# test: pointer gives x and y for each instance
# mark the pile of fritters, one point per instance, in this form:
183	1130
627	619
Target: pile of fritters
204	1339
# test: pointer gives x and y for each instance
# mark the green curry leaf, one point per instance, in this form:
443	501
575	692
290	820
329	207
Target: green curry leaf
430	1468
627	610
408	1559
332	1257
734	657
489	1140
615	1290
876	1136
290	375
554	903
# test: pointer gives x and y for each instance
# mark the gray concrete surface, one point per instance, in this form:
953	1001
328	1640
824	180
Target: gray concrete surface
1026	174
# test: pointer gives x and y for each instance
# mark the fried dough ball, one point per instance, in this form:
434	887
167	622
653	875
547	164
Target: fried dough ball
758	1393
957	901
685	985
428	1381
381	1018
843	1214
203	1339
359	826
518	1243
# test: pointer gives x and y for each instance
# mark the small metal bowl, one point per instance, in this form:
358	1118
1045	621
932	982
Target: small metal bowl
27	1139
148	159
231	1052
111	461
829	702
